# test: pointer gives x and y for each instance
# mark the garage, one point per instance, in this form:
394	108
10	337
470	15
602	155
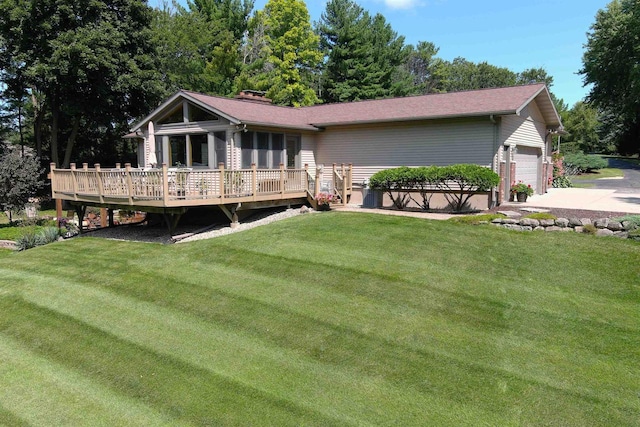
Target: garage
527	163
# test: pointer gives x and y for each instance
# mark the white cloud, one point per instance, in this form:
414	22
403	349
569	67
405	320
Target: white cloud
402	4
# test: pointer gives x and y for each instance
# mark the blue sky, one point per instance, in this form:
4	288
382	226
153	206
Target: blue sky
513	34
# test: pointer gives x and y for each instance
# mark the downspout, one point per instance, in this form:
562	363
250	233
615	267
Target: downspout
496	166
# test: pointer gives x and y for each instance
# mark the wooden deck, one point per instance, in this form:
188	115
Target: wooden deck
167	189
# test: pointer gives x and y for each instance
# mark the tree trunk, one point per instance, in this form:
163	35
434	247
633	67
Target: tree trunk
71	142
55	115
37	123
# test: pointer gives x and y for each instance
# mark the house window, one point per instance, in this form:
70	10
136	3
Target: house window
199	115
263	148
277	150
178	150
199	149
293	152
174	116
220	147
247	149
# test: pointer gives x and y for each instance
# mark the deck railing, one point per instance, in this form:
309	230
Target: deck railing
170	187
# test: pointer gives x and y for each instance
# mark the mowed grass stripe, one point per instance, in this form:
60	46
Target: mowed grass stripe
485	340
182	391
248	360
62	396
399	365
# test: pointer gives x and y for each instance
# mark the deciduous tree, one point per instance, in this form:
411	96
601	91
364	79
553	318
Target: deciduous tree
610	65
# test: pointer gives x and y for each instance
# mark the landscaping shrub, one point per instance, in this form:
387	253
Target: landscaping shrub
462	181
48	235
581	163
390	181
562	182
589	229
424	179
27	240
459	183
634	220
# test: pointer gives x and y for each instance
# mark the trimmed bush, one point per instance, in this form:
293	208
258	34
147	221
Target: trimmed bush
581	163
458	182
48	235
461	182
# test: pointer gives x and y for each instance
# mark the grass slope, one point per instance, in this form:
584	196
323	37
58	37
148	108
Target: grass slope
332	319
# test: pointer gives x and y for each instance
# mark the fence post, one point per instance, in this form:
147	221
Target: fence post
127	174
316	190
282	180
222	180
99	182
165	184
74	181
254	180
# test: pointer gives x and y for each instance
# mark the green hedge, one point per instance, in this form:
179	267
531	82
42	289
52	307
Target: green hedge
580	163
458	182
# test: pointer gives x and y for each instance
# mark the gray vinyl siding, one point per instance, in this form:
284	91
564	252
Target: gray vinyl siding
375	148
307	153
527	129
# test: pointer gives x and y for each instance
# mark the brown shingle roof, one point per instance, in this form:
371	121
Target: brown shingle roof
483	102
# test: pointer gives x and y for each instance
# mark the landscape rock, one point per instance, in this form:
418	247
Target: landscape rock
621	234
496	221
601	222
562	222
585	221
628	225
575	222
509	221
539	228
553	228
579	229
529	222
547	222
615	226
604	232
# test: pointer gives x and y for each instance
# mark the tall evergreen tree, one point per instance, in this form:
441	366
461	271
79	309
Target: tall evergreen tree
364	56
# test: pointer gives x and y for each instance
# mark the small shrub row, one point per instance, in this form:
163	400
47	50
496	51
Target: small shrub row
475	219
31	239
581	163
458	183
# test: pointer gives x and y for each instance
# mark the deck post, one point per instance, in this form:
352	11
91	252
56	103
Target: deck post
74	180
282	180
306	177
52	169
103	217
127	173
165	184
118	165
222	189
59	211
344	186
99	180
254	180
316	190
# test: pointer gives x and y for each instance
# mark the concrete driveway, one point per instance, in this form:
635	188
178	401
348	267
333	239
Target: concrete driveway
589	199
613	195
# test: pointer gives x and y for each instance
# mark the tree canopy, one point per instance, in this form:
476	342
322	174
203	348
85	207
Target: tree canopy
610	65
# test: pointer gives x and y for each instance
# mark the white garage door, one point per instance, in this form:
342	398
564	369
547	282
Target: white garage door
527	166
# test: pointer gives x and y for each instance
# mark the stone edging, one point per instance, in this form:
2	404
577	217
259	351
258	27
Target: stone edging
604	226
8	244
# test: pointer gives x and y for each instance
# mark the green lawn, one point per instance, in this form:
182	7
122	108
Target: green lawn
324	319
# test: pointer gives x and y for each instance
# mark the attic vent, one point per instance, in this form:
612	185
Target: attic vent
253	96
